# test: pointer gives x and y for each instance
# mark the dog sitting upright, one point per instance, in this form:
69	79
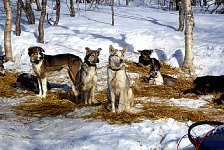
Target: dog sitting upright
144	58
44	64
86	78
119	92
2	69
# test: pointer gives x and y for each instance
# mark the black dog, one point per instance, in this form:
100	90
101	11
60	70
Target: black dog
207	84
220	100
29	82
2	69
144	58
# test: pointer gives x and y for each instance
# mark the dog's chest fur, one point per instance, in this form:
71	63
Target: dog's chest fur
158	80
90	76
117	80
37	68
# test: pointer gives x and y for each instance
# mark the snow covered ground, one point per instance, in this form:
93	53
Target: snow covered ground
137	27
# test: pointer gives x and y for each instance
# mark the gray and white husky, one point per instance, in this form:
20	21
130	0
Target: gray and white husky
119	92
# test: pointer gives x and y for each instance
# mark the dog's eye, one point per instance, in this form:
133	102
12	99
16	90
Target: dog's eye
116	55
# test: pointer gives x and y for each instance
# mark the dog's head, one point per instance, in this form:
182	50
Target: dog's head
154	68
92	56
144	57
2	70
116	58
36	54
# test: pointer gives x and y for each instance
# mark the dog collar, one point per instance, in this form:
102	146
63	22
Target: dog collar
89	64
116	69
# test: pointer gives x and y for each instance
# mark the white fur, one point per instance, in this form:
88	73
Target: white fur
118	84
158	80
36	69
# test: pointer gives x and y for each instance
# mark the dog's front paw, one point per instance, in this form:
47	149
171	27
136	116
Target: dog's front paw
41	96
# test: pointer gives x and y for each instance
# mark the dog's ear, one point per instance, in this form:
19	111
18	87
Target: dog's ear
150	51
98	51
42	50
30	50
87	50
124	50
140	51
111	50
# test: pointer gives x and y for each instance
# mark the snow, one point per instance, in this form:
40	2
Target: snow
138	26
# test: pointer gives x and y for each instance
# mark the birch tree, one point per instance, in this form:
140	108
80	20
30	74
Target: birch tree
189	25
7	31
181	15
41	22
18	17
57	12
112	11
72	9
29	12
38	5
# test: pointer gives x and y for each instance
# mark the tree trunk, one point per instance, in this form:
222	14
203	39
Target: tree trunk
72	10
7	31
29	12
57	12
181	15
41	22
171	5
18	17
189	21
112	11
177	5
38	5
127	1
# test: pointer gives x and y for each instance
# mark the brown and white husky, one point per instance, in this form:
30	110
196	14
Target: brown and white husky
44	64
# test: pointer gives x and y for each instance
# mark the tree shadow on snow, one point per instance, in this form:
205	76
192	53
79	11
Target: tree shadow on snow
161	54
149	19
1	51
179	57
121	42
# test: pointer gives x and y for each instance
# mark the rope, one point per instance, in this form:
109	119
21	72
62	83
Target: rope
178	144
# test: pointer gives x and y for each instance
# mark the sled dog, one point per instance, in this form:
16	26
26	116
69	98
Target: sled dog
155	76
119	92
86	79
45	64
144	58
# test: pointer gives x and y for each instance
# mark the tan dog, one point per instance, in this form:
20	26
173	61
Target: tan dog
86	78
44	64
119	92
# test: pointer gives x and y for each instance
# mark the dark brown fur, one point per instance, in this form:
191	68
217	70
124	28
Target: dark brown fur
207	84
53	63
144	58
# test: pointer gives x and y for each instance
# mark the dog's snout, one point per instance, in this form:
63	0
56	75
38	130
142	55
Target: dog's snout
121	60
